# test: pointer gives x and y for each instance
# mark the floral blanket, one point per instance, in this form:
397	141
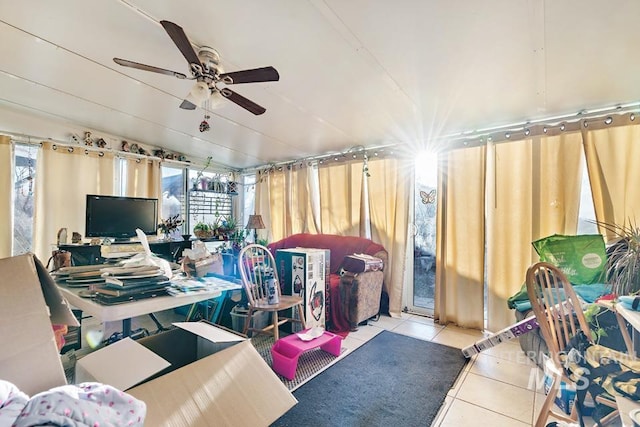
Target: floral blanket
86	404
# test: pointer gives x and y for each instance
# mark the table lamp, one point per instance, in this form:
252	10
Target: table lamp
255	223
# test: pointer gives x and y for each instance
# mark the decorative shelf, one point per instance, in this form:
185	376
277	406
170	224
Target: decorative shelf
209	202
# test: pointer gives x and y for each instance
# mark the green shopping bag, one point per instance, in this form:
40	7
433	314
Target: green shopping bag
581	258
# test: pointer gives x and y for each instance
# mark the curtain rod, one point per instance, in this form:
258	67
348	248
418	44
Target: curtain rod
346	155
467	138
37	141
506	132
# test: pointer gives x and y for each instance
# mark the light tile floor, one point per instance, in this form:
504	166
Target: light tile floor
496	388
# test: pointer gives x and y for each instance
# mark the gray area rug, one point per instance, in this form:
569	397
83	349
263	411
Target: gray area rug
392	380
310	363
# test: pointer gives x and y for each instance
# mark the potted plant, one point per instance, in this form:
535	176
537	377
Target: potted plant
169	225
202	230
228	227
622	267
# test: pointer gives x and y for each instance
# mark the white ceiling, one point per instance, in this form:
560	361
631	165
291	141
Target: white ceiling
352	72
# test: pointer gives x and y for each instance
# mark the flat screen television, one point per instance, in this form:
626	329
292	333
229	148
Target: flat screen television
118	217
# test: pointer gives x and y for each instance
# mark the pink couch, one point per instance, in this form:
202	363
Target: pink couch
340	246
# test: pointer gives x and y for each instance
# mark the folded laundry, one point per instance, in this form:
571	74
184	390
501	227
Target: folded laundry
588	293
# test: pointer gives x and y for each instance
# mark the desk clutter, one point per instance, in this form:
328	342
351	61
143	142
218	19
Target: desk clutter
109	284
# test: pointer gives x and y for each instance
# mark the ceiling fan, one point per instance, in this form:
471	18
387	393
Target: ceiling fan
206	70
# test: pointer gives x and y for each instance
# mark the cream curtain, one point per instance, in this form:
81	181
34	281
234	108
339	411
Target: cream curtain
390	188
64	176
611	156
340	199
533	190
144	179
459	295
6	197
289	202
262	205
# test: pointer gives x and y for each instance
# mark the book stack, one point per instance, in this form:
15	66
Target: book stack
81	276
124	284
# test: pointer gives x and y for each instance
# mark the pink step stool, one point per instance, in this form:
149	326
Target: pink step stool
286	351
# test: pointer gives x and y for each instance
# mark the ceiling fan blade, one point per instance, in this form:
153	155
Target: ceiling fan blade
242	101
187	105
182	42
265	74
145	67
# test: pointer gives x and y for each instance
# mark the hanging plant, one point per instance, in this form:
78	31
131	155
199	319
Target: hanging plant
200	173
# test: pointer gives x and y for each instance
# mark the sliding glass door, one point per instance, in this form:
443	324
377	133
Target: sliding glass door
424	224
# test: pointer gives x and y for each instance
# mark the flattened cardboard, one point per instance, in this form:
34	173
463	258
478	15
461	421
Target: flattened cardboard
29	357
234	387
126	364
204	330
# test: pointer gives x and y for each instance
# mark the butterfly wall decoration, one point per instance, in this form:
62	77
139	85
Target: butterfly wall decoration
428	198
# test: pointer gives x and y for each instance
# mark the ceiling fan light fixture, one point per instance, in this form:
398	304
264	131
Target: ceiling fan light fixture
216	99
200	92
191	99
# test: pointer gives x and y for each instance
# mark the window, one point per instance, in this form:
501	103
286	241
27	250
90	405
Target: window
586	213
25	174
249	197
209	198
425	209
173	200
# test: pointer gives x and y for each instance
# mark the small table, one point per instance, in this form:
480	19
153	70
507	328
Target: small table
286	351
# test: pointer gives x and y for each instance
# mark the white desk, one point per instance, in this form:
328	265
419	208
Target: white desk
625	406
125	311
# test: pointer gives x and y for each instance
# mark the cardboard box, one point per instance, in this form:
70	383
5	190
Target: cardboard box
202	267
302	272
30	303
195	375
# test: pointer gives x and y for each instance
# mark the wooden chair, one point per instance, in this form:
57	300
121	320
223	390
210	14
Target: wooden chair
253	261
560	316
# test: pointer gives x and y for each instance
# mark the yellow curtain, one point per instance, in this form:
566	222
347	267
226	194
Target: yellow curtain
340	198
6	197
459	295
280	223
289	203
611	155
144	179
64	176
263	205
390	188
533	190
302	220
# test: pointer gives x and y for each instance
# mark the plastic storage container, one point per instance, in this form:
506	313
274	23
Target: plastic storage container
239	314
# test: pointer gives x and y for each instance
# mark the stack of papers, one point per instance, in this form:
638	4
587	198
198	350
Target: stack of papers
191	285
